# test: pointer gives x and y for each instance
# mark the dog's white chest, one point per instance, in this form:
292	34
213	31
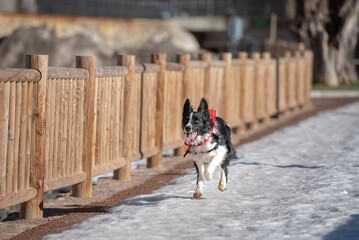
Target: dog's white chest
203	154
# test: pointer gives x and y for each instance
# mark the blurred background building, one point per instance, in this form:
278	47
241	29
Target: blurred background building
227	16
142	27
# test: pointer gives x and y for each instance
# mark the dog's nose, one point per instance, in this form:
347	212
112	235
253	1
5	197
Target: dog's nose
187	128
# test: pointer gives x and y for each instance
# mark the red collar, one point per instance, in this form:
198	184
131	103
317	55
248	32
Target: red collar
212	114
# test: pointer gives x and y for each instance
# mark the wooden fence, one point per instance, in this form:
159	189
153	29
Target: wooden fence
61	126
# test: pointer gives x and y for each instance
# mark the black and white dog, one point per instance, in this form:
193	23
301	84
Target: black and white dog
209	142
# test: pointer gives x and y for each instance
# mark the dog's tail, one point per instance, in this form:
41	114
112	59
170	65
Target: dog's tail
232	154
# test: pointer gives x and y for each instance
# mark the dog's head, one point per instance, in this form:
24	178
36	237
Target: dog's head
195	123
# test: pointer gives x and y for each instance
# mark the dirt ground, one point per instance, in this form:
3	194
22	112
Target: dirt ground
63	212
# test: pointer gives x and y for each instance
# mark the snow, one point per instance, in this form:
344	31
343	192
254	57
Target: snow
298	183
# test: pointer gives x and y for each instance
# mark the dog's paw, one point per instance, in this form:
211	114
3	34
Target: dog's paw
222	186
197	194
208	175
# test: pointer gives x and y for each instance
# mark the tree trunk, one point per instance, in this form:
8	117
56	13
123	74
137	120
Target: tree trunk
329	28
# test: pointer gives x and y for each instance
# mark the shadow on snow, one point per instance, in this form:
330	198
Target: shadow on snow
348	230
153	200
282	166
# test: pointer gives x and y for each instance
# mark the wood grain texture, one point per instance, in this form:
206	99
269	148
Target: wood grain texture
128	61
161	60
34	208
19	75
84	189
67	73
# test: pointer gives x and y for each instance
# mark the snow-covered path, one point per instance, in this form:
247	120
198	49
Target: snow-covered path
301	182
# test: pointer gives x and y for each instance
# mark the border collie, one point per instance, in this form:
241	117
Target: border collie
209	142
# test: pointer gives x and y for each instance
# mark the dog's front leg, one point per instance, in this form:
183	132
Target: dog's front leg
200	172
213	164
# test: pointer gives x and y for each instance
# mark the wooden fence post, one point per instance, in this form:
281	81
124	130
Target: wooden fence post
184	59
287	56
308	55
227	58
34	208
207	58
256	59
299	83
266	57
84	189
243	57
128	61
161	60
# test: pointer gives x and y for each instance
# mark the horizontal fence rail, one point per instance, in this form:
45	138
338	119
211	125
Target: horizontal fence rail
60	127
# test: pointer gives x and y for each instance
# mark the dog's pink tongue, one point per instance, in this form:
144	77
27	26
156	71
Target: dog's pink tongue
190	138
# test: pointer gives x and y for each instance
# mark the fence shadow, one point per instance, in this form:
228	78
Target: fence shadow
153	200
52	212
281	166
348	230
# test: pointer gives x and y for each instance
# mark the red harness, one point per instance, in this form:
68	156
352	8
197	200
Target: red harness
212	114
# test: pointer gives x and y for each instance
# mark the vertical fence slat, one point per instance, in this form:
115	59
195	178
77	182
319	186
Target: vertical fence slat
68	117
107	119
51	123
60	130
11	140
111	145
65	100
161	60
29	131
17	135
22	153
119	116
56	127
34	208
48	129
80	89
4	136
122	111
116	118
74	129
99	114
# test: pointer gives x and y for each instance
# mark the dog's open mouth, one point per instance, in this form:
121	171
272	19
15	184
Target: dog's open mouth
190	138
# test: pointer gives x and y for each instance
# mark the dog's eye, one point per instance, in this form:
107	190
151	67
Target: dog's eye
196	121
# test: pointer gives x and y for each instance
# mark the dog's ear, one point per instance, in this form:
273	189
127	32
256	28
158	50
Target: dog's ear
203	106
187	109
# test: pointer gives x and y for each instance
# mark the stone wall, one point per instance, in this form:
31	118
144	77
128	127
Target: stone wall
65	37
